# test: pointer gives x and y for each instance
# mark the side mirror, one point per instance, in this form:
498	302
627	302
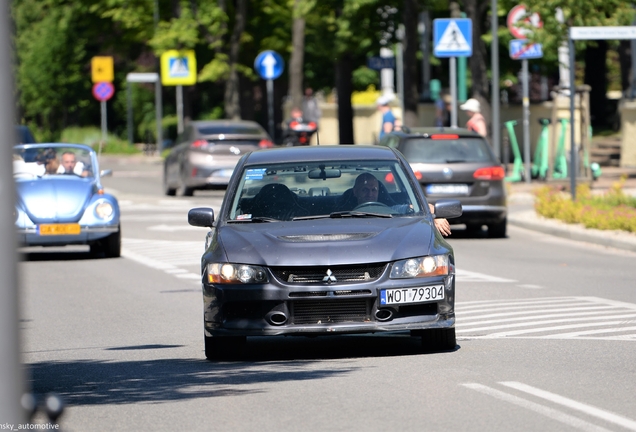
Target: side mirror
448	209
201	217
106	173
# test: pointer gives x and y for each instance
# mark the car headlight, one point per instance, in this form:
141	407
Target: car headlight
236	273
435	265
104	210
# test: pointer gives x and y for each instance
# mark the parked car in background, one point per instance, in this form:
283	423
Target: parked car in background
206	153
326	240
60	199
458	164
24	135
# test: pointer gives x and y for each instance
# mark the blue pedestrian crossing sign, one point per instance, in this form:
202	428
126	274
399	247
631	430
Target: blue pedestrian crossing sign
522	49
269	65
178	68
452	37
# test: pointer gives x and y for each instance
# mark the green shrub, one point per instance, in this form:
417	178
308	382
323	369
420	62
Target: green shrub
92	136
613	210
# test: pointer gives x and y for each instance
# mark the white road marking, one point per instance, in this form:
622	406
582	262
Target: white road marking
570	403
546	411
173	228
590	318
530	286
165	255
469	276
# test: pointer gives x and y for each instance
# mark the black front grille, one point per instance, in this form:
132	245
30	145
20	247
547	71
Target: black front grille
351	273
335	311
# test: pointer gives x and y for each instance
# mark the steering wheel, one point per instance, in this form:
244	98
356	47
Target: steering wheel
371	204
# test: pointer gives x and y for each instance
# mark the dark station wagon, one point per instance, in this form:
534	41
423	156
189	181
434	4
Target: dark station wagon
457	164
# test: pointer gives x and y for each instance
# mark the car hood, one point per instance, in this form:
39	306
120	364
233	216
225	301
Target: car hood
54	199
327	241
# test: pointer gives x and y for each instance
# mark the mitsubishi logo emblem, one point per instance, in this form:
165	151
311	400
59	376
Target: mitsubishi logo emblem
330	278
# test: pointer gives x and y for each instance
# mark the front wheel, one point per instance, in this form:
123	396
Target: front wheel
109	246
223	347
443	339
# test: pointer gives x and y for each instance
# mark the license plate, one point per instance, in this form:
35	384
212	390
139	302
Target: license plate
411	295
447	189
59	229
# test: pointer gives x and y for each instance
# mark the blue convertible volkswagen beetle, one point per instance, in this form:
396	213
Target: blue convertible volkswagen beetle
60	199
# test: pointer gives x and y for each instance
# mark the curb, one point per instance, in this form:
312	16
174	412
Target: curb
615	239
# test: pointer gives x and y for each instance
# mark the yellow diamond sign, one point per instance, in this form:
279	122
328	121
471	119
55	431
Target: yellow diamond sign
178	68
102	69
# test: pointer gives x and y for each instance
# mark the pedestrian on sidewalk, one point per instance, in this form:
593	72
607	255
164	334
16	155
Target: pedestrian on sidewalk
476	121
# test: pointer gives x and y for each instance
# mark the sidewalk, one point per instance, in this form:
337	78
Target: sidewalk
521	212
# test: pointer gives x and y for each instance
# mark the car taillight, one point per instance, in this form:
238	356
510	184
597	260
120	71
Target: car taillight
312	125
389	178
199	143
418	175
294	124
490	173
444	136
265	143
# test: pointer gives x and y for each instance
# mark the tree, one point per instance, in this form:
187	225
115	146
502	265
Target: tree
583	13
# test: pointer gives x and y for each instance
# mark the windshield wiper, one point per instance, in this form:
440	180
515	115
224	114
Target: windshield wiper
344	214
254	219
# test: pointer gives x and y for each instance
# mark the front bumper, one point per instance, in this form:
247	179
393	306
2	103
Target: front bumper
283	309
88	234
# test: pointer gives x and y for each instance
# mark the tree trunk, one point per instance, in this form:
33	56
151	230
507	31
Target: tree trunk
475	10
596	77
232	87
296	60
410	18
344	74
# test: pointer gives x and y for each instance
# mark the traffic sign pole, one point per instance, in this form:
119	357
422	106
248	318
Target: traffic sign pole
104	129
270	107
526	118
180	122
453	90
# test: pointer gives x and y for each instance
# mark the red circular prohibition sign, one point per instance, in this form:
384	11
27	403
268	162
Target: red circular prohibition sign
103	91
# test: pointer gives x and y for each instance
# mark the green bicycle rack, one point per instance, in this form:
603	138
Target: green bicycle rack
540	163
517	167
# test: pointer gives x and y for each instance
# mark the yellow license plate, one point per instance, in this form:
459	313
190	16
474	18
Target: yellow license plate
59	229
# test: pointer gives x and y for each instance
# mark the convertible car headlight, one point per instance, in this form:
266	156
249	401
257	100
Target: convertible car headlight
236	273
435	265
104	210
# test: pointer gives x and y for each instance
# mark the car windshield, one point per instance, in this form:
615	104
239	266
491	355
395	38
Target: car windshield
300	191
45	162
426	150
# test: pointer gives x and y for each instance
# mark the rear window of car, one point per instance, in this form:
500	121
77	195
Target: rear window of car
426	150
229	130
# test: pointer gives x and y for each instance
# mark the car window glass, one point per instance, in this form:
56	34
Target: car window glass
288	190
229	130
425	150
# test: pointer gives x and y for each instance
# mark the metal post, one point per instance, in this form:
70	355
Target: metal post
573	163
180	109
400	67
461	74
425	34
453	89
270	107
130	112
159	114
104	127
11	373
494	54
526	118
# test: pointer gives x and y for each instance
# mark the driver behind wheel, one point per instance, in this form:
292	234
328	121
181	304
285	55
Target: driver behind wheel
71	166
367	188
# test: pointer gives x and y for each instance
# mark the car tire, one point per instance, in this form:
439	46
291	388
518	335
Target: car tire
439	339
223	347
110	246
167	189
498	230
185	191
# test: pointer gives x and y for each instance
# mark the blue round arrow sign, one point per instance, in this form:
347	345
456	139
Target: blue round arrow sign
269	65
